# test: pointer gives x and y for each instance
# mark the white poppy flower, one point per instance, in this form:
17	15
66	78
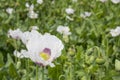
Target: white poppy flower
39	1
9	10
16	34
41	49
85	14
69	11
115	32
63	30
115	1
45	49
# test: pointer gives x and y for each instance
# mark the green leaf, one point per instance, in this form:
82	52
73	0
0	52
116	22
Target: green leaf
12	71
1	60
116	78
9	60
3	73
4	78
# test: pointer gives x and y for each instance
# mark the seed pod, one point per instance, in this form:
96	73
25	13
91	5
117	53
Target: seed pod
71	51
100	61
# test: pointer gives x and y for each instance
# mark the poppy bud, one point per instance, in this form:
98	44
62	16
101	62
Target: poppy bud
100	61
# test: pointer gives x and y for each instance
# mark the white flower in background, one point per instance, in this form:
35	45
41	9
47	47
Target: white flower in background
115	32
53	2
69	18
31	7
74	0
41	49
117	65
85	14
39	1
27	5
32	15
69	11
103	1
63	30
9	10
16	34
115	1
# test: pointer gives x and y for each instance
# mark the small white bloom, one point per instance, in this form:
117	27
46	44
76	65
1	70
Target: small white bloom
69	11
53	2
16	34
103	1
32	15
63	30
115	1
31	7
39	1
85	14
9	10
74	0
115	32
27	5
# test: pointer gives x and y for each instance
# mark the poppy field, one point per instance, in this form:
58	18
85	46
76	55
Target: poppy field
59	39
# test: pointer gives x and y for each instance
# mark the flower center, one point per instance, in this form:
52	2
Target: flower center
45	54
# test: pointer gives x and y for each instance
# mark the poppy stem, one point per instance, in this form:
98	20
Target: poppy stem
28	68
43	73
36	72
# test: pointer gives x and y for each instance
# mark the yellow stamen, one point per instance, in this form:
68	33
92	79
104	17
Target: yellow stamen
44	56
